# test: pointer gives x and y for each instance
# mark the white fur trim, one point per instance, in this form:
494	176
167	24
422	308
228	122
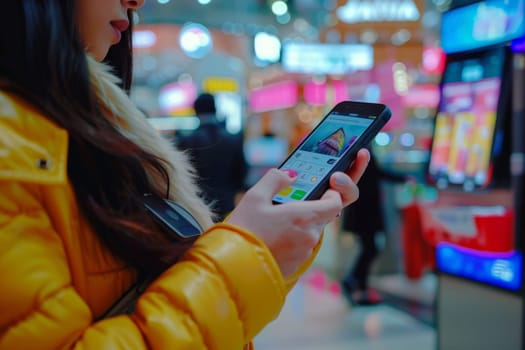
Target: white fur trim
132	123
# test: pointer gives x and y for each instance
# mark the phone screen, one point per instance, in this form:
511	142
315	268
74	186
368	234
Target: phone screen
320	152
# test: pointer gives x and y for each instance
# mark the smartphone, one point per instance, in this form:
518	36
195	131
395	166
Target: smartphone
331	146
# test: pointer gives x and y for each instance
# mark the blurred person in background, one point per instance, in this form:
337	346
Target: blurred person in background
364	219
78	162
218	157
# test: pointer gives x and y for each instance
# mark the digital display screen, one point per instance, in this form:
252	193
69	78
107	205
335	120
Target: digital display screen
319	153
497	269
465	124
482	24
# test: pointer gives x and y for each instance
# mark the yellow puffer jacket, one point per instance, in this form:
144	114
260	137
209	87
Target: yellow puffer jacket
57	277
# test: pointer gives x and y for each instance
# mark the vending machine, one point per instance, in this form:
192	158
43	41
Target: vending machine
472	226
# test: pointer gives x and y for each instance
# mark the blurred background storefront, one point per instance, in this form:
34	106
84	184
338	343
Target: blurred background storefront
276	67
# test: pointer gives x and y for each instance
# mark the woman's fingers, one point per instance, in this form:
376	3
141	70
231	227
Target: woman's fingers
319	211
345	187
345	183
358	167
342	192
292	229
272	182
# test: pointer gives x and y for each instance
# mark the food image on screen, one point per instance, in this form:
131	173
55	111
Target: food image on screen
332	139
332	145
320	151
465	122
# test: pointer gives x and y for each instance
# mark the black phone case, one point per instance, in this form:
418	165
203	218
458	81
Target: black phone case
177	221
361	108
179	226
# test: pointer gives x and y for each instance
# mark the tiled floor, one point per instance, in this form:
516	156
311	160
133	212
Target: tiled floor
415	297
316	316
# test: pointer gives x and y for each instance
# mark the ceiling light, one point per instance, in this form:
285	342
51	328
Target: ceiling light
279	8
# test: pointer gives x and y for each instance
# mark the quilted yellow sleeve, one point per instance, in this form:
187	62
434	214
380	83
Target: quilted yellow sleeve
227	288
40	308
224	291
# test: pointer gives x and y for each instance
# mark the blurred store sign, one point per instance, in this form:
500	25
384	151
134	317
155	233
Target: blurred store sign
433	60
356	11
315	93
337	92
322	93
421	96
220	84
195	40
318	58
379	22
177	98
275	96
144	39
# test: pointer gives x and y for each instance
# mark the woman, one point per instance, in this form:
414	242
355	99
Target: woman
77	158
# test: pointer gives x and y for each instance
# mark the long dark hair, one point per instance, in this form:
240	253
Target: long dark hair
42	60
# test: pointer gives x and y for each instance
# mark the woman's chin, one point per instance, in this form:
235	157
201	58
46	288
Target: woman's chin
97	54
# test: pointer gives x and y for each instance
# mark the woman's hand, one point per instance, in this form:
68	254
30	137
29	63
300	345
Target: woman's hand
291	230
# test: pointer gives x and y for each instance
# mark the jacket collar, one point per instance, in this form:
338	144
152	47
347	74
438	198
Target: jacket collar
32	148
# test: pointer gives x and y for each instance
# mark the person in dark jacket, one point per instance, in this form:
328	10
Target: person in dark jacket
364	218
218	157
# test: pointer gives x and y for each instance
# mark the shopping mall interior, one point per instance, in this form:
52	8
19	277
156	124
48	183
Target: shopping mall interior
449	268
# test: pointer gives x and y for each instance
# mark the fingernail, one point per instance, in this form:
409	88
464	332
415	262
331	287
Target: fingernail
290	172
340	179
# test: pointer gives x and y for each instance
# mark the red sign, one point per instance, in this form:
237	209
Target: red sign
422	96
433	60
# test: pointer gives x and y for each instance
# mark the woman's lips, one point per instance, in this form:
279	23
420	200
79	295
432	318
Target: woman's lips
119	27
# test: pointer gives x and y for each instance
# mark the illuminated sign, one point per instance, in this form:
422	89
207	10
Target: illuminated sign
357	11
326	58
433	60
144	38
273	97
497	269
220	84
320	93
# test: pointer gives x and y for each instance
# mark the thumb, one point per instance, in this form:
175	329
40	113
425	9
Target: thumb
273	181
